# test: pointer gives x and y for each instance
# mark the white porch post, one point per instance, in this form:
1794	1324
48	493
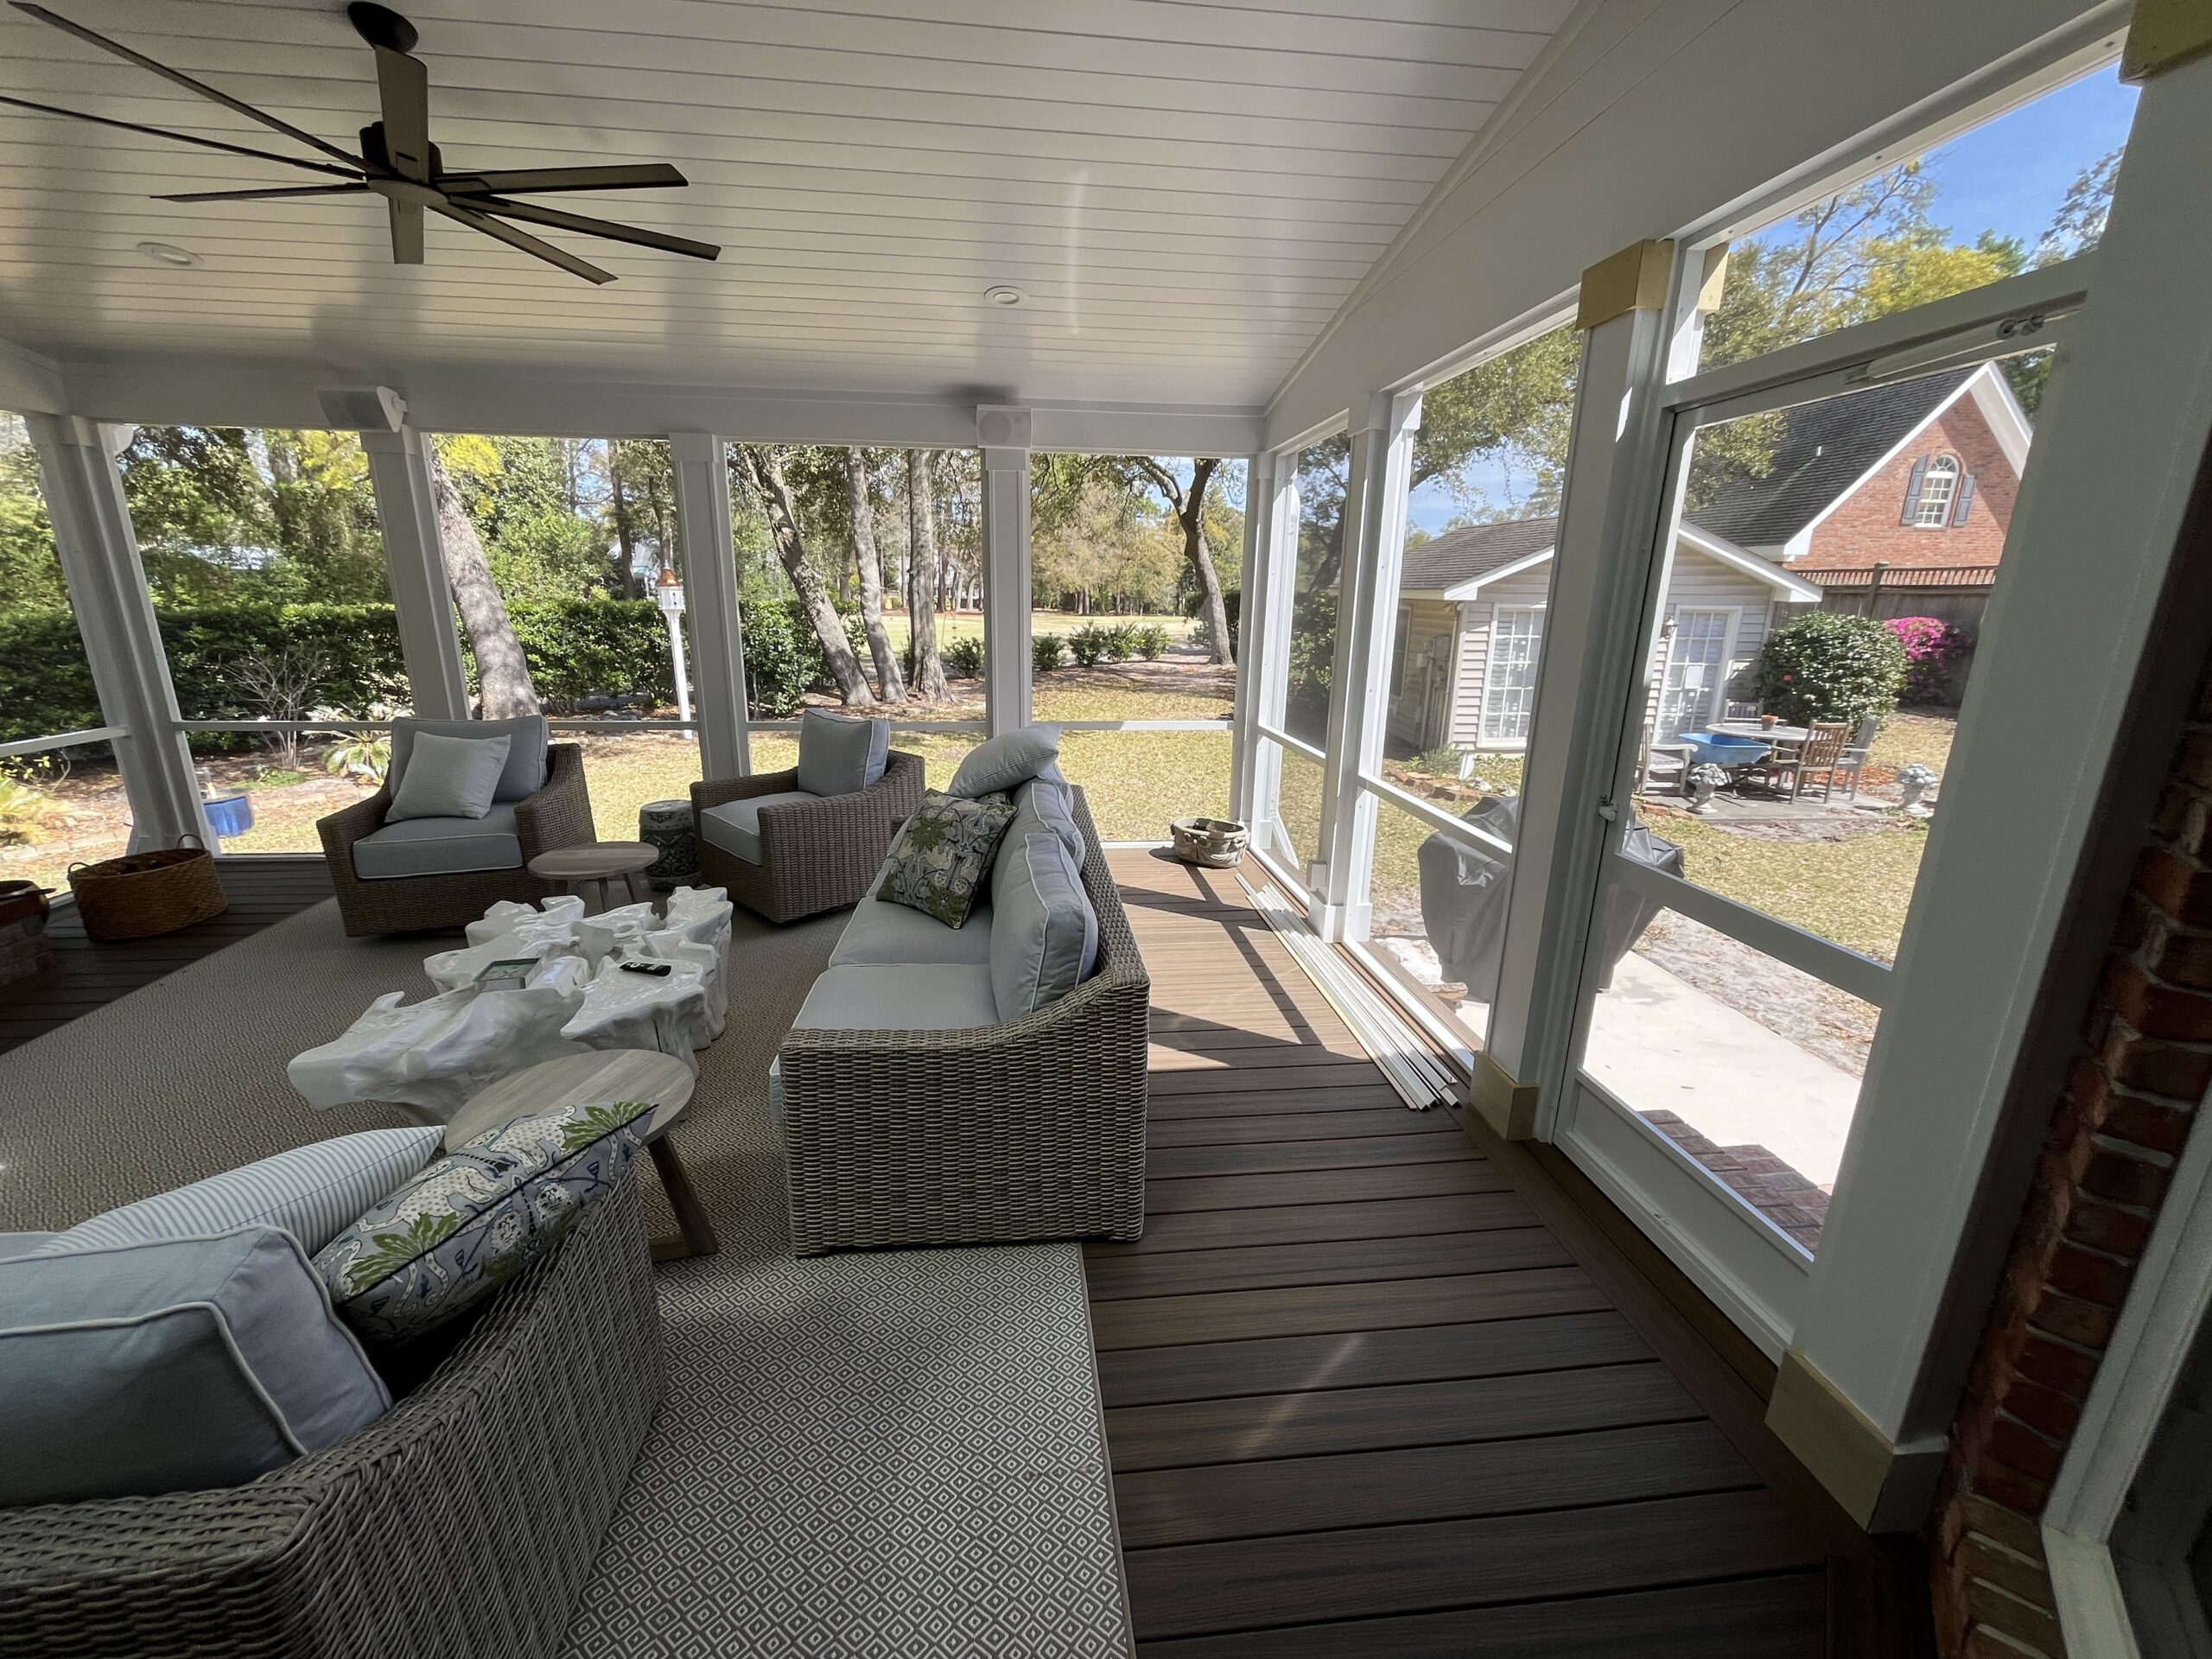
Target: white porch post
98	554
1588	663
710	586
429	643
1006	567
1251	631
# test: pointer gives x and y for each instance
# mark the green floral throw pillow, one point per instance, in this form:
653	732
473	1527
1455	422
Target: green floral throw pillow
945	857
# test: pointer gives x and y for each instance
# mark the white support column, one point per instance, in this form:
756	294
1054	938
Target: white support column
710	588
429	643
1251	630
1614	471
1374	511
1268	615
1006	568
99	553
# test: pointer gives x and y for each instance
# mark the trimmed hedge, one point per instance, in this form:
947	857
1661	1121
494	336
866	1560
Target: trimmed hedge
1826	666
576	649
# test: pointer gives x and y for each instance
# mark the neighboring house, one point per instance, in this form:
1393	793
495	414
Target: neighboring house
1900	492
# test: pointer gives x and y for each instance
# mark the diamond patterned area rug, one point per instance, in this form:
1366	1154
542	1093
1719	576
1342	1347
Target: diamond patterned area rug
892	1452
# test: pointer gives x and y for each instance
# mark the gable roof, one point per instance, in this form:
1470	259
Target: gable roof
1826	447
1463	555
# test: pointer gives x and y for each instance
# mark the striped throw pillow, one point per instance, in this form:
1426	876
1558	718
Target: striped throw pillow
312	1193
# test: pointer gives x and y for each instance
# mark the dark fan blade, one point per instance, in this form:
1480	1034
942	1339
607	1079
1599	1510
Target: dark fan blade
613	232
403	90
531	180
182	137
184	81
406	233
523	240
283	194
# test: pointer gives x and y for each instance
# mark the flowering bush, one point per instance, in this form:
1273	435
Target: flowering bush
1828	666
1932	650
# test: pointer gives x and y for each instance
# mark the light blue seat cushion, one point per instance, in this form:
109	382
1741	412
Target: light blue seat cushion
735	826
171	1365
440	847
522	777
1004	761
310	1192
899	996
1046	939
15	1244
839	754
882	931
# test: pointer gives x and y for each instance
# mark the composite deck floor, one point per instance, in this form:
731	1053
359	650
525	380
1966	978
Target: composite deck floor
88	974
1360	1398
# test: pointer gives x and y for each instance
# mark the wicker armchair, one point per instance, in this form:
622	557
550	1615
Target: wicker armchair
1032	1128
462	1523
559	815
815	855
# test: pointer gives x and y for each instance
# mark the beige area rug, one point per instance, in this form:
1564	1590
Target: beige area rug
891	1452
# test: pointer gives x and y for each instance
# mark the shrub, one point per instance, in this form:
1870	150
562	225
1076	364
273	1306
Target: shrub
1047	651
1118	642
1933	650
1231	600
1829	666
964	658
1149	641
1090	643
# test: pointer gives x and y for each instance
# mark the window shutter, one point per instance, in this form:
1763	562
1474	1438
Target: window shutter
1912	490
1966	501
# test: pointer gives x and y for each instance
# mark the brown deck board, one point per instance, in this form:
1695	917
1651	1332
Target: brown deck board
1367	1394
87	974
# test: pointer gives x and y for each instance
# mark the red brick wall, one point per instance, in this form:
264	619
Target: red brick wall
1868	528
2145	1060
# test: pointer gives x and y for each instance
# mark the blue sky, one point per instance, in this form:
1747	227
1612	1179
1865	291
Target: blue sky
2008	176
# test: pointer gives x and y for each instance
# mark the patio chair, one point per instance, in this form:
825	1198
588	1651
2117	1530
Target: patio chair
1821	754
411	874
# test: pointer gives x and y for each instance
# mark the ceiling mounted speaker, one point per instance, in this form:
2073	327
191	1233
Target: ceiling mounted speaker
363	409
1001	426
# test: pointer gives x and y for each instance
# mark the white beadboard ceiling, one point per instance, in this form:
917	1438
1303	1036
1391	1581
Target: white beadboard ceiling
1185	191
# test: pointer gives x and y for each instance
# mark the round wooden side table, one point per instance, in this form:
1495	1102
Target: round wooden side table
632	1074
598	862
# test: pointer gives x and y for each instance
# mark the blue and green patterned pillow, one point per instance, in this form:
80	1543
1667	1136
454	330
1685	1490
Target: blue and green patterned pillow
475	1217
945	856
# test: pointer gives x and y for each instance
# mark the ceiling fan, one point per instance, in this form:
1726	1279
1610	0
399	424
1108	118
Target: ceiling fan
399	163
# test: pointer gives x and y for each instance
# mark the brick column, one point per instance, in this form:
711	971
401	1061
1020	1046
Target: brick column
2146	1061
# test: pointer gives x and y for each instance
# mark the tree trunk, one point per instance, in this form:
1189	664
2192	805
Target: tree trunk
921	568
891	686
1192	519
629	553
765	465
502	672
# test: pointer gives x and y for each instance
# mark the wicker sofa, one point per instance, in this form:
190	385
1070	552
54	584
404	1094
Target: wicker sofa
1033	1128
814	852
558	815
463	1522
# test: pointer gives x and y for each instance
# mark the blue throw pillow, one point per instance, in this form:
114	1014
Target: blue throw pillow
310	1192
477	1216
171	1364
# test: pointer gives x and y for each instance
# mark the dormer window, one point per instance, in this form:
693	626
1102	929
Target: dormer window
1937	490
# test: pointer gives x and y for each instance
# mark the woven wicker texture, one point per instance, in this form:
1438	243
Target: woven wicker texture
462	1523
1034	1128
559	815
141	894
815	855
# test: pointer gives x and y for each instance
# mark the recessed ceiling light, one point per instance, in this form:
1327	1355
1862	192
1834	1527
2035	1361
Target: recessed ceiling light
167	253
1003	295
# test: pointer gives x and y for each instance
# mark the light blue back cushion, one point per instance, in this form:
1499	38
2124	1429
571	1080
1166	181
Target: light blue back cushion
524	773
1044	933
1004	761
310	1192
839	754
171	1365
1049	800
477	1216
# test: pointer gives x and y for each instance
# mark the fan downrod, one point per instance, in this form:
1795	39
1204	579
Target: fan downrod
381	26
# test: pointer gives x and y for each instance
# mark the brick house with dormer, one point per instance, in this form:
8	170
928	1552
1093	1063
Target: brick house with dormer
1893	501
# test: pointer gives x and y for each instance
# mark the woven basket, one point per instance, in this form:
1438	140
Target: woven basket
141	894
1217	843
